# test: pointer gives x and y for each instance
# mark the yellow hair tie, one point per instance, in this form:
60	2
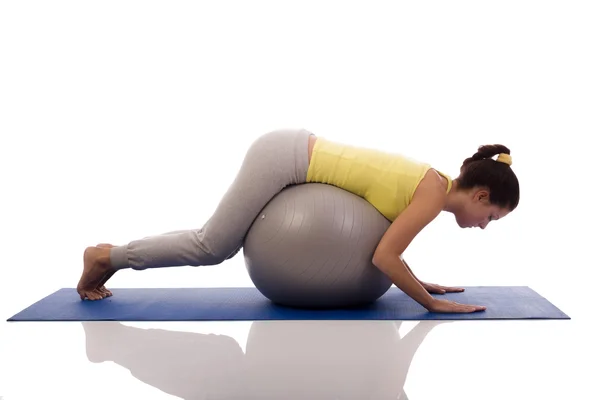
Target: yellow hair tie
505	158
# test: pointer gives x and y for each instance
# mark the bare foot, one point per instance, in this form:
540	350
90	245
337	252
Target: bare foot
101	286
96	265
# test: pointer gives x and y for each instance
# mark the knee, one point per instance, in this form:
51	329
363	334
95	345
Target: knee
213	257
212	246
208	259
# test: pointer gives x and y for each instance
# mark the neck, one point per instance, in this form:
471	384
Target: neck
453	200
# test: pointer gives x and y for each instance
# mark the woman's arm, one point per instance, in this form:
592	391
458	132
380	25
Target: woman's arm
432	287
428	201
410	270
396	270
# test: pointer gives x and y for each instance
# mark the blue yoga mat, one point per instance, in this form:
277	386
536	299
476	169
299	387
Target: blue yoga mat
231	304
248	304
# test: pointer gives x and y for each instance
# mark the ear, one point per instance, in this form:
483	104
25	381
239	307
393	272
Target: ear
482	195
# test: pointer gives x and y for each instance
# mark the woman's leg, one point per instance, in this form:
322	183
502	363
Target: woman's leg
274	161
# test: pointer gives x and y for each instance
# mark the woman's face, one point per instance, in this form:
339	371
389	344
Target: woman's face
478	212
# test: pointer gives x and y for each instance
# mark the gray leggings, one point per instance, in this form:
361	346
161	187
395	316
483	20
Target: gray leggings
275	160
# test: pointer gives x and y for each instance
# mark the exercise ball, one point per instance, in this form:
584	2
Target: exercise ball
312	246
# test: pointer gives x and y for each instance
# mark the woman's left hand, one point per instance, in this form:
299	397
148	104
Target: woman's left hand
438	289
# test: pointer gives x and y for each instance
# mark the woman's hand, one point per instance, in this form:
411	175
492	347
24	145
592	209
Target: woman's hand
446	306
438	289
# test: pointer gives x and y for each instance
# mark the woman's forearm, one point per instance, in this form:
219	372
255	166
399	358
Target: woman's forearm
408	268
401	276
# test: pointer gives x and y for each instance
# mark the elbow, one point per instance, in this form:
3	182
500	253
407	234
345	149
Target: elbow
380	256
376	260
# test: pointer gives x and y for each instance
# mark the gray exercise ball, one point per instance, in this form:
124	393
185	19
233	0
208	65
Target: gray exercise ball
312	247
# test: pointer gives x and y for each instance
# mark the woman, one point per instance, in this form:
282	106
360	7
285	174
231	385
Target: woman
409	193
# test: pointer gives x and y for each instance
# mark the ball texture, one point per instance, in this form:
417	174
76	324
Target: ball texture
312	246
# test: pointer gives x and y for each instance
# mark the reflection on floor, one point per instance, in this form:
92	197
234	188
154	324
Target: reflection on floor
349	359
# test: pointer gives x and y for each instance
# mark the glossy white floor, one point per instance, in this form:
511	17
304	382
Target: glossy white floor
128	119
267	360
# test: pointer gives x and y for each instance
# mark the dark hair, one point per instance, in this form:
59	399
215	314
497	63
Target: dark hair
480	170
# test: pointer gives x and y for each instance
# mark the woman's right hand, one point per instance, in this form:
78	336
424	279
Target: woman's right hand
446	306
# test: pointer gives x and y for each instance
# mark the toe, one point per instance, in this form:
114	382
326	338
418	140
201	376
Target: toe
95	295
104	290
90	295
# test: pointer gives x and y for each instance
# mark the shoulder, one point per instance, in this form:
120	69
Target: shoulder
428	201
433	184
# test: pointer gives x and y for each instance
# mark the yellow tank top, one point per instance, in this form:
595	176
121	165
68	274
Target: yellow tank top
386	180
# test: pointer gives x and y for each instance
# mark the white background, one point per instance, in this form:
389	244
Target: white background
123	119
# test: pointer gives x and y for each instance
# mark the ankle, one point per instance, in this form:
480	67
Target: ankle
118	257
103	255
